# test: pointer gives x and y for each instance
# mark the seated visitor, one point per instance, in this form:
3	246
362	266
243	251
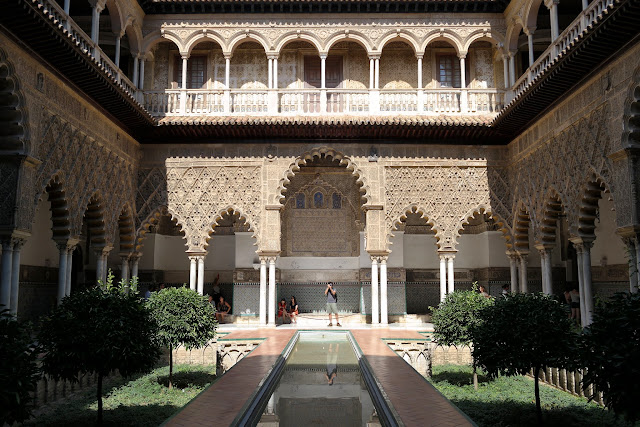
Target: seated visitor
293	310
223	309
282	309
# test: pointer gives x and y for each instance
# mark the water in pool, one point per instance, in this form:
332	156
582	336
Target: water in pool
321	386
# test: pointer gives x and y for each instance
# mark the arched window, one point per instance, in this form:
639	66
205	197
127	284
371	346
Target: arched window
300	201
318	200
337	201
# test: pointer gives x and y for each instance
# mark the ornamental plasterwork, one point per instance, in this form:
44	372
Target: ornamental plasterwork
562	167
272	33
86	170
446	196
199	192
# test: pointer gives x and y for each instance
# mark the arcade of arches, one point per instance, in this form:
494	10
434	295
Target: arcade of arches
397	224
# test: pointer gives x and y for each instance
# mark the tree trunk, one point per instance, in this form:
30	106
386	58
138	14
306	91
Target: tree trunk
170	366
536	372
99	396
475	376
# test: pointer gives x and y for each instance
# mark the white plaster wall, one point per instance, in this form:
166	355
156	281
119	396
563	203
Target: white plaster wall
169	253
607	244
420	251
148	253
245	255
396	257
497	250
222	253
40	249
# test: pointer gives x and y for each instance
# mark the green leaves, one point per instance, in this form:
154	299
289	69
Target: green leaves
454	317
610	348
19	371
102	329
522	332
183	316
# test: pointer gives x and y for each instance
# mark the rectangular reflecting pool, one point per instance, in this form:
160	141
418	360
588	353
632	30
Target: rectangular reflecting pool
321	385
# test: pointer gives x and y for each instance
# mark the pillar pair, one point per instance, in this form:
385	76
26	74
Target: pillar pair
447	283
65	249
10	280
583	251
545	267
271	260
518	268
379	308
196	272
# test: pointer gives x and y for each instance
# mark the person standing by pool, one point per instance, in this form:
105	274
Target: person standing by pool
332	303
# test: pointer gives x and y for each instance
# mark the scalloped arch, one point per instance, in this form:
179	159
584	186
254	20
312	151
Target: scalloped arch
631	116
15	135
553	206
126	228
60	215
318	152
485	208
521	225
590	194
232	210
413	208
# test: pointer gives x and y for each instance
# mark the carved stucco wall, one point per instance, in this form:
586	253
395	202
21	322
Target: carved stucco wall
576	143
71	143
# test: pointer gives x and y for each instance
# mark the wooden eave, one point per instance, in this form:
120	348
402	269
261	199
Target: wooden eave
151	7
32	26
593	48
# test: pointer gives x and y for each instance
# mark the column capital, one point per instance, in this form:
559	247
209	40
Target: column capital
273	55
529	30
545	249
551	3
196	255
419	55
125	256
228	55
184	55
374	259
375	56
462	54
323	55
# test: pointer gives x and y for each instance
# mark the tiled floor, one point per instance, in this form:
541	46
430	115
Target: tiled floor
416	401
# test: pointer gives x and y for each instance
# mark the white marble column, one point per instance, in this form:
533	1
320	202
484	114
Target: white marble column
543	268
375	316
69	269
529	32
100	267
117	57
63	251
513	269
272	291
201	274
524	281
323	82
141	79
227	83
270	73
136	73
135	259
549	270
183	84
263	291
124	266
451	281
420	85
376	73
372	78
505	66
553	16
580	259
463	83
384	314
95	28
443	277
512	68
15	275
587	285
5	283
275	73
193	268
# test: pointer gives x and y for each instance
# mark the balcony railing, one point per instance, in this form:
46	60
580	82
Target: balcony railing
86	44
322	101
586	18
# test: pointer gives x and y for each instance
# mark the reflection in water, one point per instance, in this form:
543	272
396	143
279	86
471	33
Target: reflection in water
321	386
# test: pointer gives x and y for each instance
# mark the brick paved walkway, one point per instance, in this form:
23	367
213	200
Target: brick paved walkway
416	401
